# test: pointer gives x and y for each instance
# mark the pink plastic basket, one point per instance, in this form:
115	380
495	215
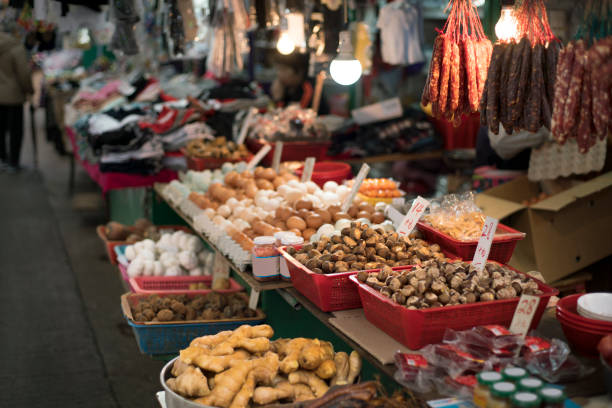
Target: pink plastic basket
418	328
169	285
501	249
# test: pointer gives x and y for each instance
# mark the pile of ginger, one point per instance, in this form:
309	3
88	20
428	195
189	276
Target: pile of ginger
244	367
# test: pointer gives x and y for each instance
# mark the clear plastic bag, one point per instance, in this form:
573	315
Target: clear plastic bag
459	387
456	215
487	342
453	360
414	372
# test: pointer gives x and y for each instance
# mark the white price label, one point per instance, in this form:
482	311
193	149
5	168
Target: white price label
220	268
363	172
308	168
523	315
258	157
246	125
395	216
413	216
278	152
253	299
484	243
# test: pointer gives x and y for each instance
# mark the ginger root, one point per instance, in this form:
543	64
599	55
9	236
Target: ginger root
302	393
313	354
179	367
341	359
354	367
317	385
255	339
199	356
191	383
290	352
267	395
326	370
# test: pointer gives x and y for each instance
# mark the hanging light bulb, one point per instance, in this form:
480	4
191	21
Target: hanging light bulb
507	26
345	69
285	44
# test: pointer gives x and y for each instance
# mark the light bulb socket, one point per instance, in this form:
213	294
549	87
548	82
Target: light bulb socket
345	46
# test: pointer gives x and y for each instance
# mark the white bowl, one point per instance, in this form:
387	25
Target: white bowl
595	306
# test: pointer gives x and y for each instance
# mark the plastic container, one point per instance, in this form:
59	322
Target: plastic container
288	241
171	337
331	292
210	163
482	392
526	400
501	393
292	151
531	384
552	397
501	249
567	307
328	171
417	328
514	374
171	285
265	259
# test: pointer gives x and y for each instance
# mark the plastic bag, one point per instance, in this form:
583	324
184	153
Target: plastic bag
454	361
459	387
414	372
457	216
486	342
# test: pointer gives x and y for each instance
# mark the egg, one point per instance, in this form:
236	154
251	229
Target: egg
293	195
311	187
210	213
264	184
377	217
296	222
303	204
343	191
380	206
325	216
293	183
303	213
224	211
232	203
315	238
296	231
330	186
339	215
314	221
282	213
330	198
363	214
218	220
364	221
326	230
269	205
307	233
342	223
333	209
364	206
353	211
282	190
278	182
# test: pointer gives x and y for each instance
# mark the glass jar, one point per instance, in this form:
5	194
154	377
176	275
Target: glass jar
531	384
514	374
552	397
265	259
288	241
524	399
278	236
481	391
501	392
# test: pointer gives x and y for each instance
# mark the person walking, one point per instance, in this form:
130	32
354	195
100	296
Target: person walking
15	87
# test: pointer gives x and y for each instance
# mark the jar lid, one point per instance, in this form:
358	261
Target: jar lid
488	377
552	394
530	384
292	240
514	373
280	234
526	399
503	389
264	240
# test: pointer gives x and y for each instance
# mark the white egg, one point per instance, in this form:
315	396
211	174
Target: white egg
343	191
268	205
381	206
224	211
311	187
330	186
315	238
238	209
218	219
325	230
294	195
365	221
330	198
294	183
282	190
232	203
210	213
342	223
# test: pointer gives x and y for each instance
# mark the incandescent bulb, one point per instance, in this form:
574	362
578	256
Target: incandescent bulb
345	72
285	44
507	26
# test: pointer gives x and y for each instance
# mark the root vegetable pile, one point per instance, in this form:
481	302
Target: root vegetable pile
521	77
459	64
439	283
360	247
582	93
235	368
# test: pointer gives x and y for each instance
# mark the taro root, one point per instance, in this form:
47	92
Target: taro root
362	276
341	266
487	296
398	297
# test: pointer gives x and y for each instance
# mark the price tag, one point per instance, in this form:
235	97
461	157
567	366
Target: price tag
484	243
523	315
363	172
308	168
395	216
253	299
220	268
246	124
413	216
278	152
257	158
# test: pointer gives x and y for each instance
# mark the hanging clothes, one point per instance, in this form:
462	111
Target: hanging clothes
400	25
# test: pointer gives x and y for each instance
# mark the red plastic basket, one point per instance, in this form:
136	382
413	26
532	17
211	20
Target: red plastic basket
328	171
209	163
169	285
292	151
501	249
418	328
331	292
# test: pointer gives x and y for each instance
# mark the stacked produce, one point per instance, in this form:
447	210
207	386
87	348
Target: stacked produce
219	148
212	306
233	368
459	64
520	82
437	283
361	247
582	94
142	229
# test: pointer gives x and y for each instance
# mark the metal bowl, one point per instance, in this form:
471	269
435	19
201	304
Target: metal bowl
173	400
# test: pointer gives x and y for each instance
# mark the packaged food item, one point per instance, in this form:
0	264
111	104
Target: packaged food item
501	393
552	397
265	259
454	360
487	342
457	216
514	374
525	400
288	241
481	391
414	372
531	384
555	363
458	387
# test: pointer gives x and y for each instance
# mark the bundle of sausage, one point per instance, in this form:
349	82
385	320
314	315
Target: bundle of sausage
459	64
520	82
583	100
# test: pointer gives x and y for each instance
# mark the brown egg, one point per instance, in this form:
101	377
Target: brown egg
264	184
363	214
303	213
307	233
296	222
377	217
296	231
251	190
282	213
314	221
339	215
231	178
303	204
279	224
269	219
353	210
268	173
278	181
325	216
258	173
364	206
333	209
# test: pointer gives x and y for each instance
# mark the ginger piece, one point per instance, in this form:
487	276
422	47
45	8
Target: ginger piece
313	354
302	392
179	367
191	383
255	339
211	341
341	359
257	375
317	385
267	395
291	352
354	367
326	370
216	364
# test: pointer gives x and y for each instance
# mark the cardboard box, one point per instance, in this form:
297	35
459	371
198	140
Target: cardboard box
565	232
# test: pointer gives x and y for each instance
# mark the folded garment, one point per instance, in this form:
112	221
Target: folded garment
144	145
